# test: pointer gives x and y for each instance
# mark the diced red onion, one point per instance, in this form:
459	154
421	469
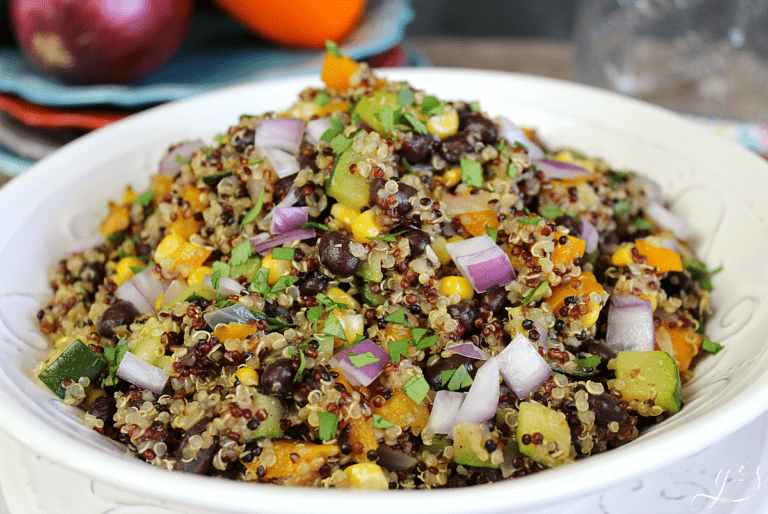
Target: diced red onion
170	165
227	286
512	133
522	366
237	313
316	129
559	169
142	374
394	460
444	410
174	289
280	133
286	219
468	349
289	201
483	396
264	246
365	374
482	262
589	235
143	290
630	324
282	162
669	220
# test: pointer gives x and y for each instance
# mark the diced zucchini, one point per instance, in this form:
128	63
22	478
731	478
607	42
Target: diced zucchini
371	298
368	106
555	446
191	293
350	189
148	348
213	180
249	269
370	269
464	453
270	427
76	361
649	378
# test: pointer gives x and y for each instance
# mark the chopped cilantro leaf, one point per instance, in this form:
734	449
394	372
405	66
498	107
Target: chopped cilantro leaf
405	97
426	342
361	360
389	238
617	177
313	315
643	224
552	211
398	317
254	212
332	48
328	423
622	208
251	162
114	356
511	170
492	233
431	106
529	221
460	379
337	127
518	144
711	347
144	199
588	362
475	106
260	283
283	283
321	98
397	350
181	160
387	118
220	269
138	269
302	364
240	254
314	224
218	138
355	118
281	253
340	143
416	388
416	123
471	172
407	165
332	327
418	333
379	422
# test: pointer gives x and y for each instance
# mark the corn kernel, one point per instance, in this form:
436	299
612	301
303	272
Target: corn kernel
622	256
455	239
303	110
159	302
130	196
651	298
367	475
277	268
341	296
196	277
444	125
440	251
459	285
451	177
124	271
346	215
365	226
590	318
352	322
247	376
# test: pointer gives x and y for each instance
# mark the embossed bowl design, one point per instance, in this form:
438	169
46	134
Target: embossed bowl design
720	187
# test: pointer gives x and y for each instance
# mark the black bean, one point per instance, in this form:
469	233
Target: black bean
494	299
418	148
595	348
676	283
277	378
335	254
307	160
93	274
417	241
121	312
404	192
480	125
464	314
104	408
607	409
201	464
313	284
434	373
455	147
373	193
245	140
572	224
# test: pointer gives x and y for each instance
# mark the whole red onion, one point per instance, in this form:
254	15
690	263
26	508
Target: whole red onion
99	41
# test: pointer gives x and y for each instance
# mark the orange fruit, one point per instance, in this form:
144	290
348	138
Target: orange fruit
296	23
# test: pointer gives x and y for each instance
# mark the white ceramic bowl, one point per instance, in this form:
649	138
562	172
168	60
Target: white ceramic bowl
720	187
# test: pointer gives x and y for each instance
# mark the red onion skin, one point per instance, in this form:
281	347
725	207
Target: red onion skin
99	41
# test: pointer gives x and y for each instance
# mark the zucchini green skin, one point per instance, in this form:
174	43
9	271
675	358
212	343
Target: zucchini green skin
644	376
536	418
368	106
270	427
350	189
77	361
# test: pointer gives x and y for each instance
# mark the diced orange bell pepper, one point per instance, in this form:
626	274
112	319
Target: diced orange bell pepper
291	454
565	253
475	222
585	283
360	431
193	196
659	257
185	226
403	411
186	256
337	71
118	220
160	185
685	344
332	107
233	331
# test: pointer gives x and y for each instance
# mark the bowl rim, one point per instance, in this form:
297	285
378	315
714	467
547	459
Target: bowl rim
551	487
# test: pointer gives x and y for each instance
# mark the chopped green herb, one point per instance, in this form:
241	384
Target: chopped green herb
588	362
313	315
418	333
251	162
314	224
622	208
337	127
475	106
711	347
254	212
260	283
405	97
460	379
700	273
138	269
397	350
355	118
361	360
643	224
536	294
144	199
398	317
241	253
552	211
529	221
416	123
387	118
492	233
321	98
283	283
416	388
220	269
617	177
471	172
328	423
302	364
329	304
281	253
340	143
426	342
518	144
179	159
274	324
511	170
431	106
218	138
213	180
332	48
407	166
114	356
332	327
116	238
389	238
379	422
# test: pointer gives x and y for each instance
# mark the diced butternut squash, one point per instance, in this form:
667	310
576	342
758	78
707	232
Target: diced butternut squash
186	256
403	411
360	431
234	331
337	71
332	107
292	457
476	222
160	185
118	220
565	253
659	257
684	341
185	226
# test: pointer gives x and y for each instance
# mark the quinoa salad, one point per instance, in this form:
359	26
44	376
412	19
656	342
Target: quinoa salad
376	288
